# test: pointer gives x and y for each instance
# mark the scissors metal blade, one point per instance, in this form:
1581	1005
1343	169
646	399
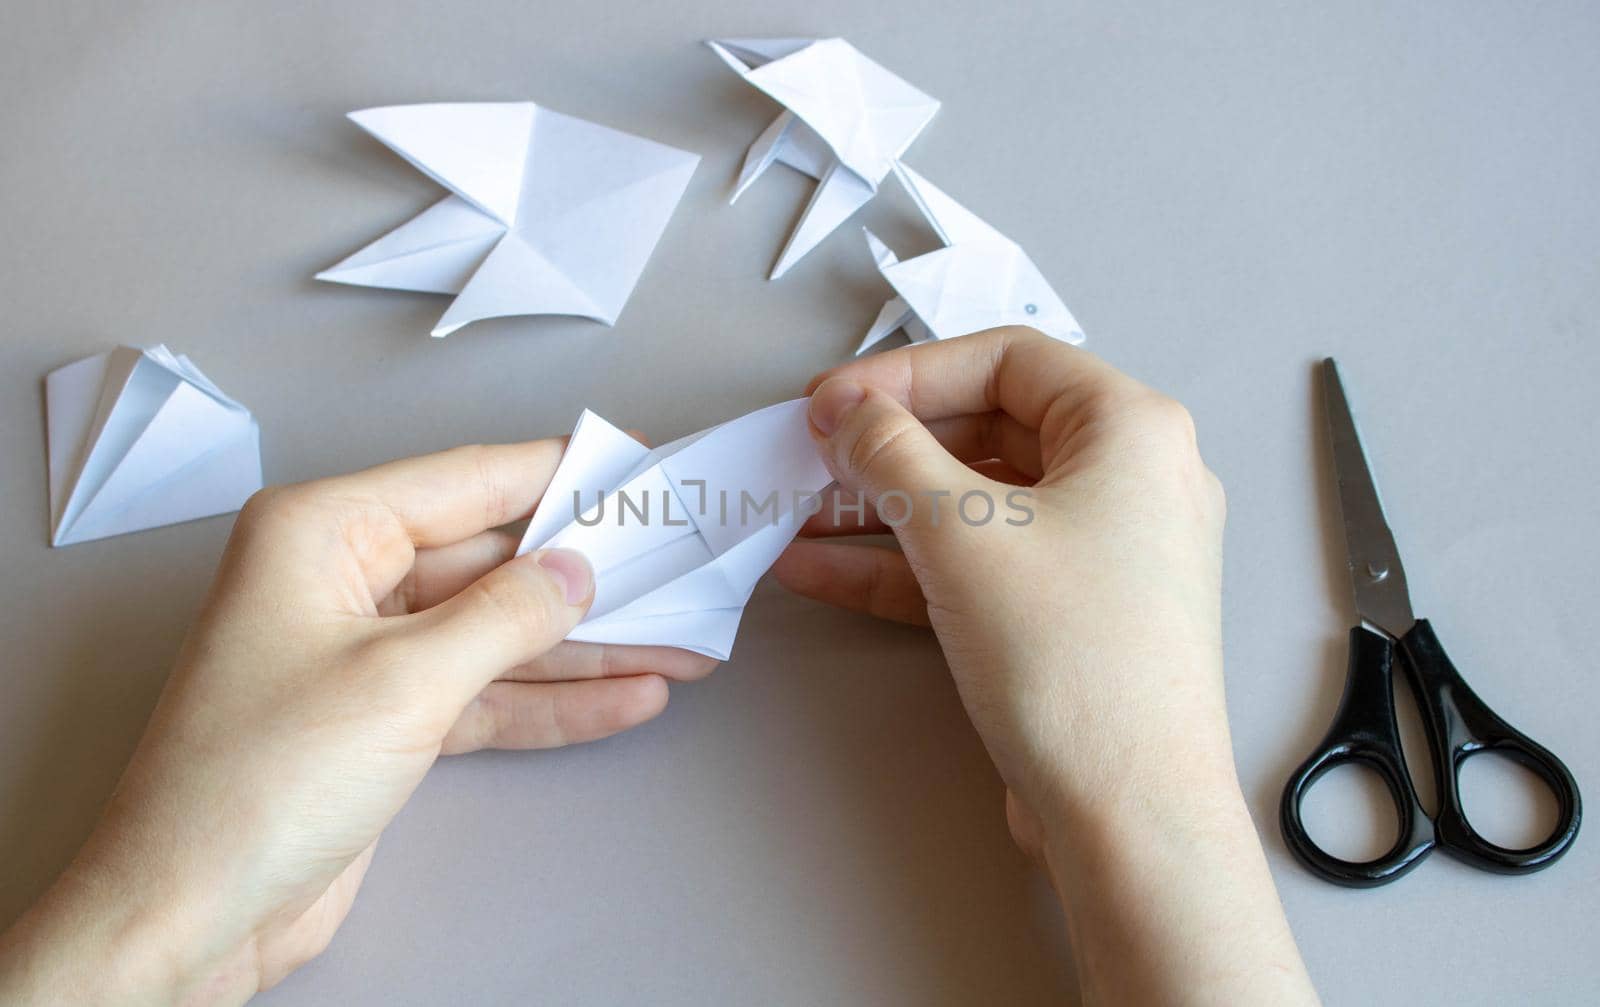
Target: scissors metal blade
1375	571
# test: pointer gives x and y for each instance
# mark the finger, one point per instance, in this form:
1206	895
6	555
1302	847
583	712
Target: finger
867	579
1043	384
447	570
508	617
847	512
844	512
443	498
572	661
872	444
552	714
384	514
441	571
1002	472
979	437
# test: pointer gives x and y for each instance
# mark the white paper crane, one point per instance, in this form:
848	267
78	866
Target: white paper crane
845	121
979	280
549	214
139	439
679	536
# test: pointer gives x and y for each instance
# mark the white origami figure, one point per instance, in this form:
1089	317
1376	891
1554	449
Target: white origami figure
139	439
845	122
979	280
548	214
679	536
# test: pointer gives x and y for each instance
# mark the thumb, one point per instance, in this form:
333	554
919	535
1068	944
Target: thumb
874	446
507	617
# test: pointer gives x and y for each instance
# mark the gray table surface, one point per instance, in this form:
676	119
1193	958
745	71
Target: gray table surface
1223	192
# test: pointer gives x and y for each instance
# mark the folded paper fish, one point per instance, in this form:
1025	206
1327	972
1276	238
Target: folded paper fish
678	536
548	214
979	280
140	438
845	121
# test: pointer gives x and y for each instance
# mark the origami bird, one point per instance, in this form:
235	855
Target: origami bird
679	536
979	280
845	122
548	214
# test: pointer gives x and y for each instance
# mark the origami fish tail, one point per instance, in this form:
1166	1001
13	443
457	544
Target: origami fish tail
840	193
761	154
894	314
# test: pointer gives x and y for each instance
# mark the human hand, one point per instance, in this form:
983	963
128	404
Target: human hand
358	628
1084	632
1082	625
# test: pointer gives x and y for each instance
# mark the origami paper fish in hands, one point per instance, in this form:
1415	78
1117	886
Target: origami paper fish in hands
846	120
979	280
548	214
140	438
678	536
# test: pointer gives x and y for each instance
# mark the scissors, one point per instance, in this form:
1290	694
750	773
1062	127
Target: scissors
1458	724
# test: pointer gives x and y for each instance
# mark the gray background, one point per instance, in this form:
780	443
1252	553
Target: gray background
1223	192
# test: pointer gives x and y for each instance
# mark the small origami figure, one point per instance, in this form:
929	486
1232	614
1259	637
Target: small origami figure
140	438
845	122
679	536
548	214
979	280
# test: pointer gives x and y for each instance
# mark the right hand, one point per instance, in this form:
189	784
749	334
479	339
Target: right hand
1085	643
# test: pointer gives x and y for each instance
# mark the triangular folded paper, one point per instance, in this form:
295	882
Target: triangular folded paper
679	536
140	438
549	214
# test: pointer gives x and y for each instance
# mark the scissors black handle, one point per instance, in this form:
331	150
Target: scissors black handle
1458	725
1364	731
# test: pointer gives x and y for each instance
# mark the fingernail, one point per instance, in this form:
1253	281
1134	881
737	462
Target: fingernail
571	571
832	402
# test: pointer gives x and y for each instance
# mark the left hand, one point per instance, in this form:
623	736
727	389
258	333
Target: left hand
358	628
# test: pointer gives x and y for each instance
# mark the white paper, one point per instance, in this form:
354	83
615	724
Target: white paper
548	214
979	280
846	120
140	438
704	518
